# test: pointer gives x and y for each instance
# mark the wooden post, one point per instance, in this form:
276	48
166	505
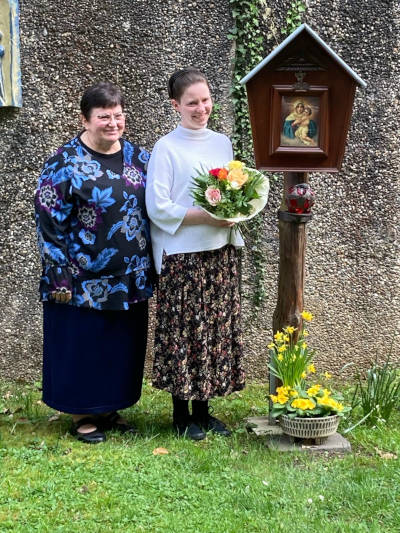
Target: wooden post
292	241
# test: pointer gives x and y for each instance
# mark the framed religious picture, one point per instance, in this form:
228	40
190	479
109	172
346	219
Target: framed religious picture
299	121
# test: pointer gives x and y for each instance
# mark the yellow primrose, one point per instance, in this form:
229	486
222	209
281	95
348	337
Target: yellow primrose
302	403
307	316
294	393
283	390
313	391
311	368
235	164
273	398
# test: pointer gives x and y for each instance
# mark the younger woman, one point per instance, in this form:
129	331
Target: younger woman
198	347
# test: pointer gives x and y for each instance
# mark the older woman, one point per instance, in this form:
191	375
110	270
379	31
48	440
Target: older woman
94	243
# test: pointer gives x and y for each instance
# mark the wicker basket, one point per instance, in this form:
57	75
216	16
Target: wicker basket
309	428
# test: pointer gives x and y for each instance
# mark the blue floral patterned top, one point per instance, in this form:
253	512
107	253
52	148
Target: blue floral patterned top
93	230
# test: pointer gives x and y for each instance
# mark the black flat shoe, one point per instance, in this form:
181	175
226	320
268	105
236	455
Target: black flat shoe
114	421
189	429
93	437
216	426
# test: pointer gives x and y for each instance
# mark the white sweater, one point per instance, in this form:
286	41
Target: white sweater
173	163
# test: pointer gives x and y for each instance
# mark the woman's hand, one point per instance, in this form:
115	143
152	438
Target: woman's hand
196	215
61	296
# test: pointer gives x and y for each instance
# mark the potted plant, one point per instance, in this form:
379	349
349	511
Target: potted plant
305	410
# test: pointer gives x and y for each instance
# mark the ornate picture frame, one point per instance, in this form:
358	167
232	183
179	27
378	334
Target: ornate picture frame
299	120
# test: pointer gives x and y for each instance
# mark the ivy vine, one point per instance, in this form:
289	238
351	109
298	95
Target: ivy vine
248	38
294	17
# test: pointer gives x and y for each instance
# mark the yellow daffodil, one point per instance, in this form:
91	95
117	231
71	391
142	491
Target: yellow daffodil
282	348
304	375
311	368
290	330
307	316
278	336
304	345
286	338
271	346
305	333
280	357
327	375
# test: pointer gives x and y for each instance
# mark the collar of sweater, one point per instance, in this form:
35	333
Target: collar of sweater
187	133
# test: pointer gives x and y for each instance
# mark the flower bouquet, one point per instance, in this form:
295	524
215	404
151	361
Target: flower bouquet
234	192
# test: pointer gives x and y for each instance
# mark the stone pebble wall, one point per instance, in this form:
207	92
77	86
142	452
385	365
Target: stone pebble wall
352	265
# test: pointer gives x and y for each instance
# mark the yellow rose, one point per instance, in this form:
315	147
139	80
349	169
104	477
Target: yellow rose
235	164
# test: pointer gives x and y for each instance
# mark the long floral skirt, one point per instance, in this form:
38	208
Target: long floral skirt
198	345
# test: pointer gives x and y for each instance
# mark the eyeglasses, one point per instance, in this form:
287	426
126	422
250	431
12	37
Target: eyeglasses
106	117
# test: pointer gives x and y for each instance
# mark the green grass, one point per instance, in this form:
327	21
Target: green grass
49	482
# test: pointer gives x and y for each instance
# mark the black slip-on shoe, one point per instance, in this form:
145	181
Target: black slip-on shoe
93	437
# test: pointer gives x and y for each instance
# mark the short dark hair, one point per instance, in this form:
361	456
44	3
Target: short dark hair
182	79
102	94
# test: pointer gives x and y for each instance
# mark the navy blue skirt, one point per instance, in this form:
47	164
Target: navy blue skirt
93	360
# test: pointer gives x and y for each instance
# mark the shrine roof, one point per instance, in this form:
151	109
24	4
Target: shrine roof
289	39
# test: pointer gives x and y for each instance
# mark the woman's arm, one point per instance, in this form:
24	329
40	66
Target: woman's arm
52	211
196	215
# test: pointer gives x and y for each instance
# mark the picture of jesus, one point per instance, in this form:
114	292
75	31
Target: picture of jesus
300	126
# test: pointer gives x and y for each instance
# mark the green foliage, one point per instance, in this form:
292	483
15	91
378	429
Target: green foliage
290	356
378	393
294	16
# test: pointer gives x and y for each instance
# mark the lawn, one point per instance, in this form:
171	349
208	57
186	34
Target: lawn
49	482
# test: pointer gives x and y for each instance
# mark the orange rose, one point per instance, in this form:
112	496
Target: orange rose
222	174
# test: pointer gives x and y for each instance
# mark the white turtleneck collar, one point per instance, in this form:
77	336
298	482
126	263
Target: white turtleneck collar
186	133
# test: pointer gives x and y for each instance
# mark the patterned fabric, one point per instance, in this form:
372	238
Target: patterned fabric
93	230
198	346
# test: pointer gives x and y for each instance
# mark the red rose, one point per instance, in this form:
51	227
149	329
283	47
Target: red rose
214	172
